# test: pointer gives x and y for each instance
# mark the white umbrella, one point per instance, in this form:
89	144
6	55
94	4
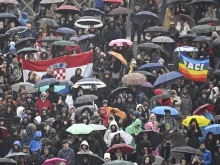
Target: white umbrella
86	83
126	137
28	87
186	49
162	39
86	21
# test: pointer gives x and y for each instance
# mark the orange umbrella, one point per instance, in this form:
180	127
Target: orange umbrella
118	112
118	56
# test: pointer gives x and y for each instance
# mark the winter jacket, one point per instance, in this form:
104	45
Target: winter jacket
28	33
9	117
213	97
206	157
81	148
200	101
171	120
186	104
10	139
55	141
99	3
67	154
109	86
40	104
216	158
176	100
36	144
183	30
100	96
129	105
193	136
193	92
15	143
76	77
94	147
109	132
168	18
24	18
26	138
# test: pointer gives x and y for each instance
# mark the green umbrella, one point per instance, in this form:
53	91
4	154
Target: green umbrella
202	29
27	50
64	43
78	129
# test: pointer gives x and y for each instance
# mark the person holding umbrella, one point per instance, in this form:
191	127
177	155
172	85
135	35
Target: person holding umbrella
183	26
168	119
168	16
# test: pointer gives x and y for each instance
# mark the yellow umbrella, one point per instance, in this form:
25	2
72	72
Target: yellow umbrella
201	120
118	56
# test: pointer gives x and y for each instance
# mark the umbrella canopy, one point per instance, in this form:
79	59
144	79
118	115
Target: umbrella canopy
160	110
119	162
87	36
157	29
119	42
17	154
86	21
201	1
95	159
162	39
147	84
141	17
18	29
167	77
11	17
118	56
127	137
188	36
67	9
117	91
29	88
151	66
45	82
133	79
64	43
66	30
126	149
120	10
217	117
48	2
27	50
176	1
202	29
113	1
187	150
215	129
97	127
79	129
202	39
48	21
23	40
50	39
3	38
149	46
207	20
7	160
144	73
87	11
199	110
202	121
85	99
154	137
4	131
86	83
186	49
63	82
79	109
215	42
187	18
15	2
54	161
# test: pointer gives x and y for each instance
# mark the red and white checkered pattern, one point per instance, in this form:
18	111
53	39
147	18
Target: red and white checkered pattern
60	73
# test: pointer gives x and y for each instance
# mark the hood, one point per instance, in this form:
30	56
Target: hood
53	131
38	118
8	105
24	15
111	20
95	115
41	55
17	143
136	113
20	110
152	115
158	91
149	124
84	143
12	47
38	134
136	123
173	91
216	89
139	105
43	93
77	70
29	128
113	123
71	108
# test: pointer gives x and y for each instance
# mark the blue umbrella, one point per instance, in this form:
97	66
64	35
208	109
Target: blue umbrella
159	110
66	30
215	129
96	11
151	66
45	82
167	77
83	37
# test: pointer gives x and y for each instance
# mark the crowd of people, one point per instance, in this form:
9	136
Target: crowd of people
120	122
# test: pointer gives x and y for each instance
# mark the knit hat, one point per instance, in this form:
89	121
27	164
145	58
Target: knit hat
172	23
107	156
167	124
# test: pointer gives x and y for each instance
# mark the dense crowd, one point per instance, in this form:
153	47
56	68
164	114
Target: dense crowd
116	116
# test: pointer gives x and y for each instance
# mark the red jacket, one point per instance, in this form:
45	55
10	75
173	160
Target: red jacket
40	104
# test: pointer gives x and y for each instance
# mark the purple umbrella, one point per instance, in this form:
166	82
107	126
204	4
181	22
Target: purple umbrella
147	84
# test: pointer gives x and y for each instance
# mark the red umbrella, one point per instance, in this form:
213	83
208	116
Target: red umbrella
67	9
127	149
113	1
198	111
5	131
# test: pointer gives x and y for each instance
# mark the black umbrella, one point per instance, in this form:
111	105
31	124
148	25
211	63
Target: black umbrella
215	42
202	1
154	137
11	17
176	1
119	162
157	97
45	82
149	46
141	17
188	36
85	99
17	154
187	150
187	18
48	21
17	29
117	91
207	20
3	37
93	158
63	82
144	73
21	42
217	117
202	29
64	43
202	39
157	29
50	39
7	160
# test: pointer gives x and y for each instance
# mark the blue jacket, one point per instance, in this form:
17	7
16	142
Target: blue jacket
24	18
26	139
15	143
208	116
99	3
206	157
29	33
35	144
